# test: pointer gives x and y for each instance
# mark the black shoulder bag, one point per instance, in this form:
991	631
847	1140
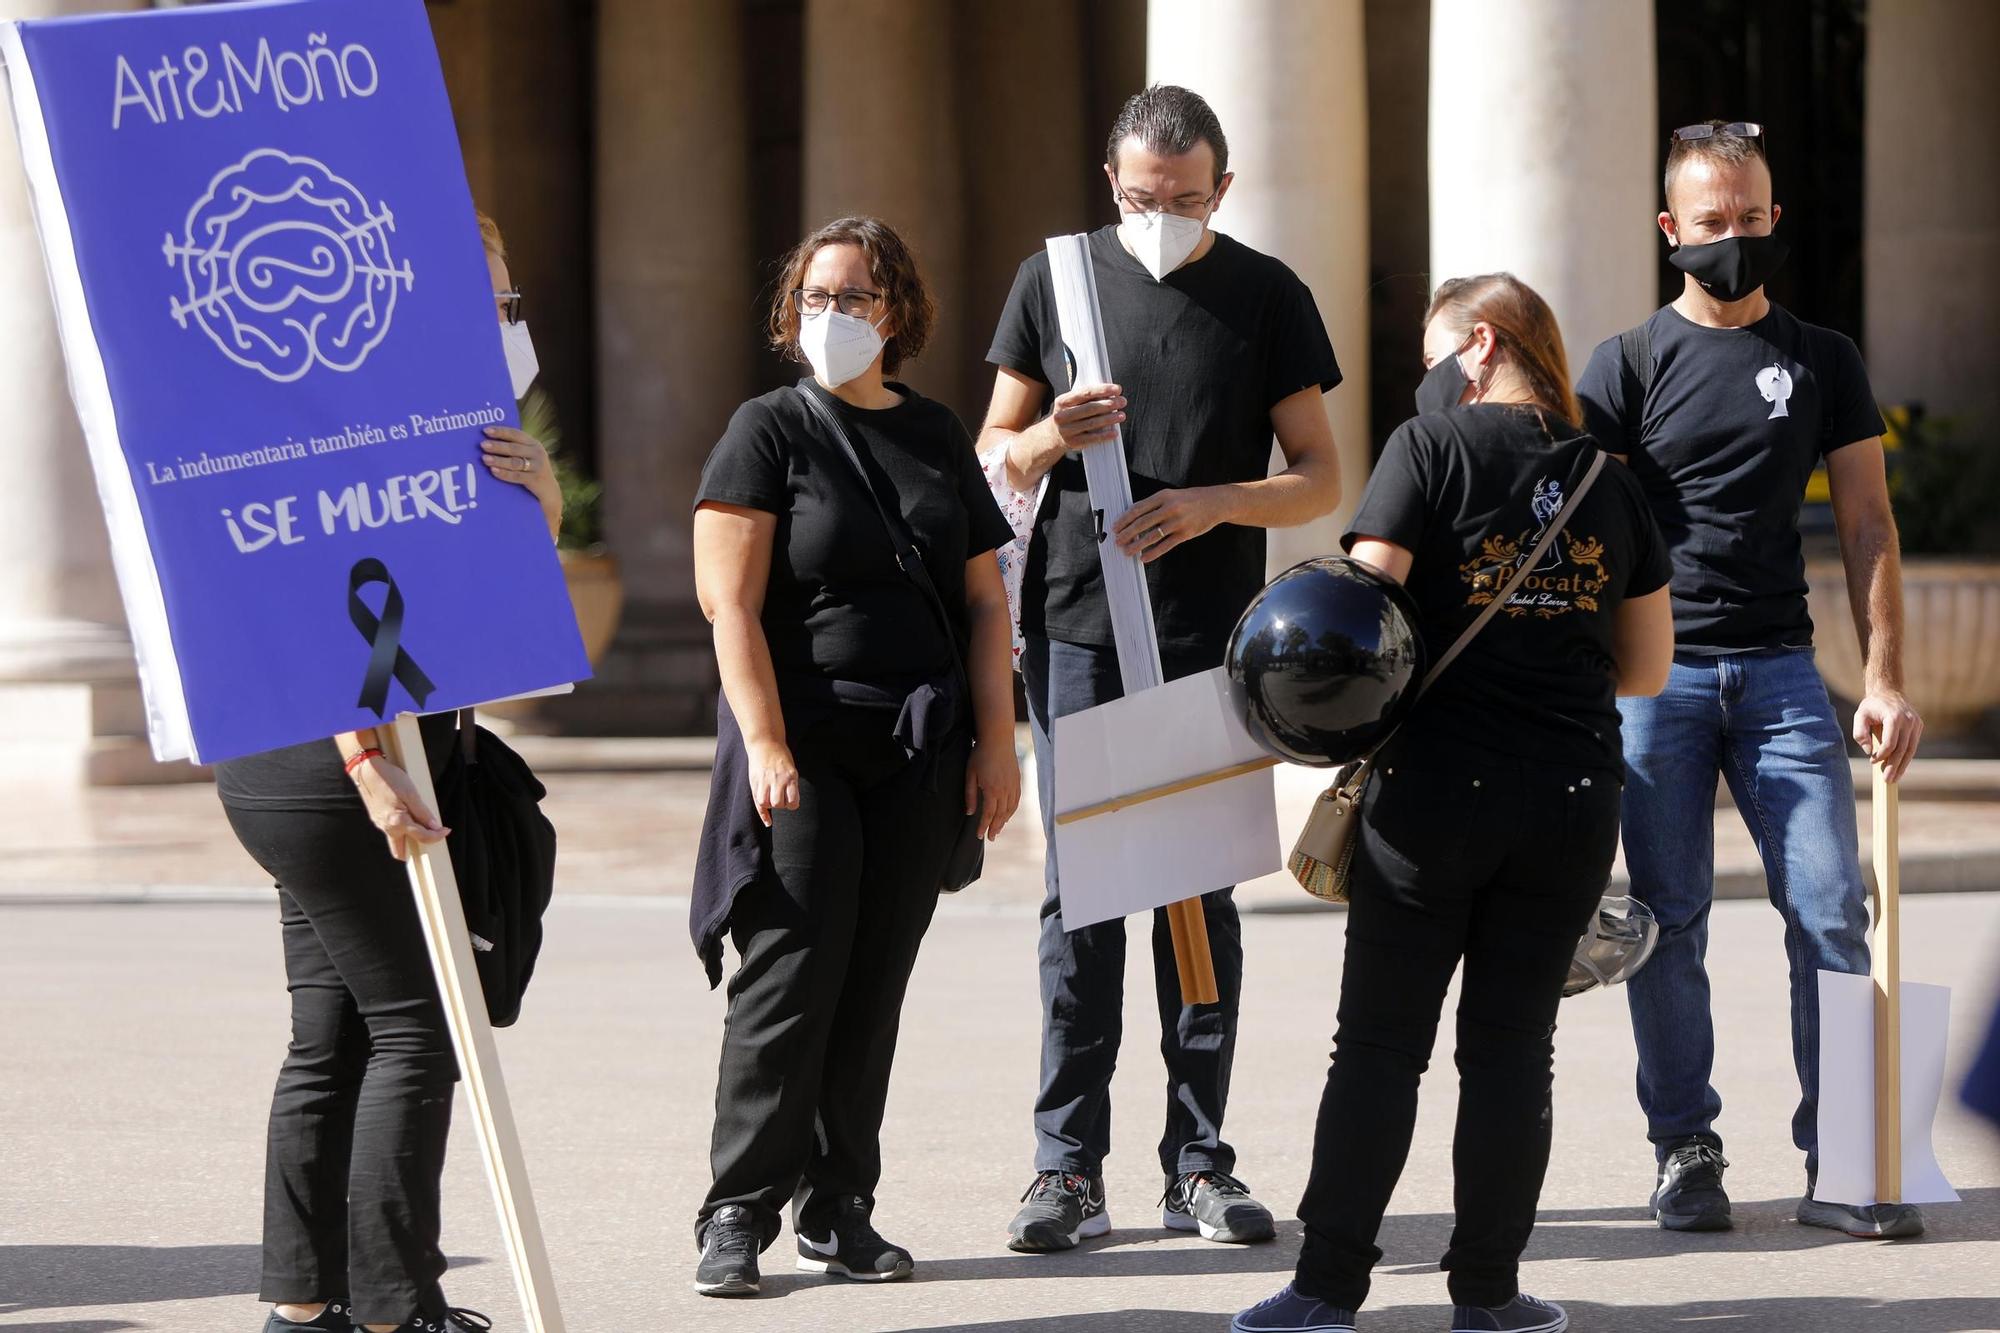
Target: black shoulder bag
503	854
968	852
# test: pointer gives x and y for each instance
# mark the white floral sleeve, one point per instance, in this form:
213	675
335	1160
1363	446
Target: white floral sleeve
1018	508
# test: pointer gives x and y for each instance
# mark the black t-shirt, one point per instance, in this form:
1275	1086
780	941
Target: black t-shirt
1202	357
1467	493
310	776
1723	444
837	606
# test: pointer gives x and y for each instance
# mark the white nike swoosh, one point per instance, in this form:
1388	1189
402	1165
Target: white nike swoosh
831	1248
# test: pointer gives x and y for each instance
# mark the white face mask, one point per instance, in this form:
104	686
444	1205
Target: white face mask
838	346
1161	241
521	364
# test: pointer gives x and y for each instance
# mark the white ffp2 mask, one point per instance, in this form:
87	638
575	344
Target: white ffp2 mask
522	367
838	346
1161	241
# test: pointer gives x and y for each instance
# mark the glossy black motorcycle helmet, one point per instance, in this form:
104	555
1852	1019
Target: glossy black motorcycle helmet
1326	661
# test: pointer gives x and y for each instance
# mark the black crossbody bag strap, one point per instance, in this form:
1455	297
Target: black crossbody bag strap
909	557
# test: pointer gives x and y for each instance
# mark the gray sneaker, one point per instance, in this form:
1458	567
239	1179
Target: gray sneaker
1877	1221
1059	1209
1219	1206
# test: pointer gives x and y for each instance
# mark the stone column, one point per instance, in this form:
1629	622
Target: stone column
676	290
1289	84
881	137
1028	179
69	691
1932	248
1543	148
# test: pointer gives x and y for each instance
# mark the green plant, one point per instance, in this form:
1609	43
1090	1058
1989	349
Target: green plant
1945	486
582	497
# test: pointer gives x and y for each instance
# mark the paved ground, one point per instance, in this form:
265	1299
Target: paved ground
629	811
138	1045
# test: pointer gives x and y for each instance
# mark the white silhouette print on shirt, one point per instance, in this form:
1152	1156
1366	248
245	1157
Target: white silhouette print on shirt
1774	382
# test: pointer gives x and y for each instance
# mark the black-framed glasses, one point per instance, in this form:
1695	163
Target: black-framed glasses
1736	129
509	304
1180	208
853	301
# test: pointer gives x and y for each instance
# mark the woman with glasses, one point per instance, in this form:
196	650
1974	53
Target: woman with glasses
362	1107
864	717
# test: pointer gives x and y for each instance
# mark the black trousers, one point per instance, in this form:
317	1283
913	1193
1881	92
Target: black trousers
1495	862
363	1102
827	940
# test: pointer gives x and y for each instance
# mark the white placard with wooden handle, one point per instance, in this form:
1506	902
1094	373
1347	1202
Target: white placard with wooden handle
450	945
1881	1055
1081	327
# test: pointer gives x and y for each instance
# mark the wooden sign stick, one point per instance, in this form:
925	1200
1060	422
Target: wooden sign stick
450	944
1885	966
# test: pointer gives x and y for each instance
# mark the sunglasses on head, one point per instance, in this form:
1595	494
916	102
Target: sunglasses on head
1738	129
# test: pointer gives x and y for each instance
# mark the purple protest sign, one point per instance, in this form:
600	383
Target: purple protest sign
282	345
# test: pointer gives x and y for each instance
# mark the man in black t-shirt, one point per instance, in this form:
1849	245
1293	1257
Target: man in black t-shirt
1725	403
1216	348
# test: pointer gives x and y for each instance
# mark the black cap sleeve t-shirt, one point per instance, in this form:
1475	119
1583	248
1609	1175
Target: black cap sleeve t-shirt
1202	356
1468	492
1723	445
836	605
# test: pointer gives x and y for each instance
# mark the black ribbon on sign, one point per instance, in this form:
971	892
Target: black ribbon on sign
384	633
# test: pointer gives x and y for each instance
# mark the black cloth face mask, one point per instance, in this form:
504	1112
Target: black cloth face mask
1443	385
1734	267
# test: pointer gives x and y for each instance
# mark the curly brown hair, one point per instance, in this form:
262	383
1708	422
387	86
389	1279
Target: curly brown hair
893	266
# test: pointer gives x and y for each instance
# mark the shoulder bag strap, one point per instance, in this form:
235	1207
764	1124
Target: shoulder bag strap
909	557
1635	349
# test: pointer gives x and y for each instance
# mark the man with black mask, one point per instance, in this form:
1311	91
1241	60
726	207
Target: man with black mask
1724	404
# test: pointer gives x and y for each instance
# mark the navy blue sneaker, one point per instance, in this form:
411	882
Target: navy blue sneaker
1876	1221
332	1319
1293	1312
1523	1314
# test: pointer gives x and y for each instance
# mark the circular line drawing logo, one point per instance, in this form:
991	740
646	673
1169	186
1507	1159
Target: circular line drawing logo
287	266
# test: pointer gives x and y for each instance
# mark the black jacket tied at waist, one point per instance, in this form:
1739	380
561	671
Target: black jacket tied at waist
735	846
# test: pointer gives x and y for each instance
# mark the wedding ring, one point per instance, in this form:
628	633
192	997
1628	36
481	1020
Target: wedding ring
527	465
1159	534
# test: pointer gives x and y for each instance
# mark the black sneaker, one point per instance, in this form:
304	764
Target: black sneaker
730	1244
1876	1221
840	1241
1689	1195
449	1320
1523	1314
1061	1209
1219	1206
333	1319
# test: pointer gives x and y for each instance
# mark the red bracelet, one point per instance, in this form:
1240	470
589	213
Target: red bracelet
361	757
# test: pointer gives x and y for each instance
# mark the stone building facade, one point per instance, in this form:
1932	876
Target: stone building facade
651	159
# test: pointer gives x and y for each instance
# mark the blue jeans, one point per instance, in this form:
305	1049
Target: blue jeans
1083	972
1763	719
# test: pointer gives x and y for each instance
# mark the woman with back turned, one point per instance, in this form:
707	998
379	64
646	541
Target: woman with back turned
1488	828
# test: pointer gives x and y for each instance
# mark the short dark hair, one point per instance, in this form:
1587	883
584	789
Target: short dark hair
1734	149
1169	120
892	265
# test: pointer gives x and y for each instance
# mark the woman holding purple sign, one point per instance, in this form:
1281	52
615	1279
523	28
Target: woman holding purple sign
865	735
362	1108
